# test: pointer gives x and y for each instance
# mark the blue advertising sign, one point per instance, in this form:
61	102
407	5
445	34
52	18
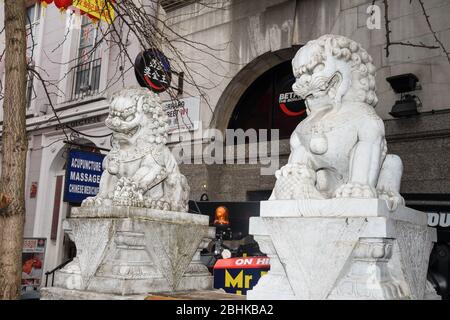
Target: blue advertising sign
238	275
83	172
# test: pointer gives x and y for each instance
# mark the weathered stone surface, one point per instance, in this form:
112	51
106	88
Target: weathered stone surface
339	150
54	293
196	295
129	251
342	249
140	170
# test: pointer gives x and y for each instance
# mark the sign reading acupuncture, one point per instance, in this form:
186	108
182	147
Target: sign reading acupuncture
83	172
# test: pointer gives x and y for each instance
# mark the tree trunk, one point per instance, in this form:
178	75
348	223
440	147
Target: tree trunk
14	139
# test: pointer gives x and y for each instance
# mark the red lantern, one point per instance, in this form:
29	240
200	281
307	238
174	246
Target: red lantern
63	4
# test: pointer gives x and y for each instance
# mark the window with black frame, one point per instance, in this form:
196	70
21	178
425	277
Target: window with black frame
32	29
87	72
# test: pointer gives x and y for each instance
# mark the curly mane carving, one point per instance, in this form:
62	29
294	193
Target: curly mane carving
347	51
140	170
339	150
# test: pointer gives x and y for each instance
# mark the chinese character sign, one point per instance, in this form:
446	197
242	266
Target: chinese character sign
152	70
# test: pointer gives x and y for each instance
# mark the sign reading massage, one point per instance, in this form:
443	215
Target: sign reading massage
83	172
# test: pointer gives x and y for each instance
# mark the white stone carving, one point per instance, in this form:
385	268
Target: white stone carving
131	238
335	226
131	253
318	251
140	170
339	149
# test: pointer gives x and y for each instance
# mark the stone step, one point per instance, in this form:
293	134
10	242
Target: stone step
196	295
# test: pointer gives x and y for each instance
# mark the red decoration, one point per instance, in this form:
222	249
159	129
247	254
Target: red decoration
94	19
63	4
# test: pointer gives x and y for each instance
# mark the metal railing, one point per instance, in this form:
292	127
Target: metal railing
52	272
86	79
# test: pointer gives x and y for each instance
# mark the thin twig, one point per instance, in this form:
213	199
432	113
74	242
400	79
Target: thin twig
427	17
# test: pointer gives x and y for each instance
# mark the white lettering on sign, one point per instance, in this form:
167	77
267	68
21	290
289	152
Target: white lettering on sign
76	188
184	114
439	219
85	177
262	261
243	262
86	164
288	97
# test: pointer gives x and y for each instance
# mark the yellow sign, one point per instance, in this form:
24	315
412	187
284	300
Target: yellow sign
99	9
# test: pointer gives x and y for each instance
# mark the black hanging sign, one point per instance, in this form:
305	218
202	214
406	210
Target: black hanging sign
152	69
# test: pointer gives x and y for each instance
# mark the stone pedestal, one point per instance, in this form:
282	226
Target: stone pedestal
342	249
128	252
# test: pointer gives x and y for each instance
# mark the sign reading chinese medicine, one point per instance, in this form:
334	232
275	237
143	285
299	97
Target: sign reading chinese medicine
99	9
238	275
152	69
83	172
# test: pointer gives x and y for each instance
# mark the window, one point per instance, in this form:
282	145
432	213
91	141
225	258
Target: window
170	5
87	72
31	93
32	29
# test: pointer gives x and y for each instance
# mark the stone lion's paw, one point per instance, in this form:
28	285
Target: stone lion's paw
95	202
355	190
393	199
88	202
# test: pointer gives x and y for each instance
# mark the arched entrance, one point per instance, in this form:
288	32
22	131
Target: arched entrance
270	103
260	74
59	246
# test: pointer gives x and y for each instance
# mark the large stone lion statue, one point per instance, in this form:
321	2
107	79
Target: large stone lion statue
140	170
339	150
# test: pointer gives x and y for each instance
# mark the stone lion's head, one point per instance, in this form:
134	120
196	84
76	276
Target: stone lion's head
333	69
137	114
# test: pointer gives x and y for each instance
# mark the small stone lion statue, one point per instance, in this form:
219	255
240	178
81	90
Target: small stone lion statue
140	170
339	150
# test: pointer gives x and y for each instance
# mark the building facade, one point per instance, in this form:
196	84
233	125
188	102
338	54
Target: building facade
241	52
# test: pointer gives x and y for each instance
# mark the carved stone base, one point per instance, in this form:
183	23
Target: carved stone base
134	251
54	293
342	249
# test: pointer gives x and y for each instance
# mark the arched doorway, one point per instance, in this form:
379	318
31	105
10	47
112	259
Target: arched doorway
269	68
60	247
269	103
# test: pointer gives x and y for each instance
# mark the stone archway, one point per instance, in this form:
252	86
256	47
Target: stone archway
243	79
